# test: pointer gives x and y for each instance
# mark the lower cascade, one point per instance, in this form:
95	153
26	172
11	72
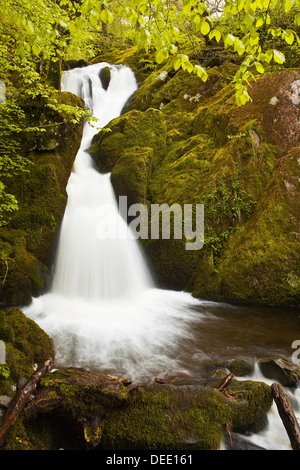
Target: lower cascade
103	310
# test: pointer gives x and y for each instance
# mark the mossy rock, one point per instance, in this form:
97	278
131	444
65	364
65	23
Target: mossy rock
140	62
105	76
260	262
239	367
70	401
130	130
22	274
275	108
177	91
130	176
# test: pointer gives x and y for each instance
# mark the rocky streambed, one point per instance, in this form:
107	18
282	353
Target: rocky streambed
76	408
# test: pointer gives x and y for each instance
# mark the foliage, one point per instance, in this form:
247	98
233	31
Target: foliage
4	371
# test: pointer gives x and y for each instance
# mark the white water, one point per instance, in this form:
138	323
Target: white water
103	310
274	436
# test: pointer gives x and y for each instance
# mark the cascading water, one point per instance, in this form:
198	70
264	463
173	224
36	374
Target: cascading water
103	310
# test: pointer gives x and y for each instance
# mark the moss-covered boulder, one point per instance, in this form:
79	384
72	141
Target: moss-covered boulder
22	274
106	415
27	242
260	262
241	163
26	347
134	129
130	176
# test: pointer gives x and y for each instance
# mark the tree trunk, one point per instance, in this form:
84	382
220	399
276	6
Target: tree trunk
22	397
287	415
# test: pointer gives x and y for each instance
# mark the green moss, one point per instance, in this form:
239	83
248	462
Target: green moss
265	248
257	400
183	417
22	275
26	243
130	130
82	392
23	338
26	347
130	176
168	419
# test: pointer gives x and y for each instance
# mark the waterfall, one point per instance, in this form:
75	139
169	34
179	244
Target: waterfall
89	264
103	310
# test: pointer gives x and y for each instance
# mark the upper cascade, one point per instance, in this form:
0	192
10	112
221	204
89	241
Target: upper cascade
96	257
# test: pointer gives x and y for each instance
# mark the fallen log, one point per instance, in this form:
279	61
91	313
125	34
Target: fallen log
21	398
287	415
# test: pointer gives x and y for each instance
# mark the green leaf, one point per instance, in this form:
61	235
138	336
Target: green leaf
63	24
215	33
133	18
229	39
93	18
288	36
30	27
201	72
288	5
36	48
104	16
259	67
218	35
268	56
177	63
160	56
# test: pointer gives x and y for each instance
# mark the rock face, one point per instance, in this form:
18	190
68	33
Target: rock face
27	242
182	141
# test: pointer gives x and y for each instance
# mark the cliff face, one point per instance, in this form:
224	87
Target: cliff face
27	242
182	141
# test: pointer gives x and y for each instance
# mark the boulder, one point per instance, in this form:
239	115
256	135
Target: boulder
105	414
26	346
281	370
105	76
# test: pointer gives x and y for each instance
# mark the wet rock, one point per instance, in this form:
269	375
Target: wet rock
72	64
281	370
240	367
